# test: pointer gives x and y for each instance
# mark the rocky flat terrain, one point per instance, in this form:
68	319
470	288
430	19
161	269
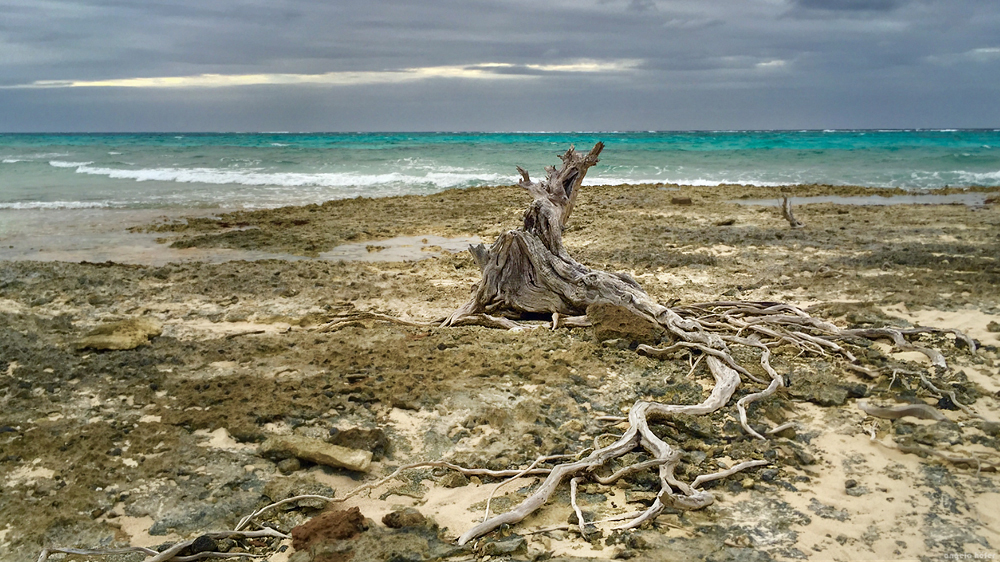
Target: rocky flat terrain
144	405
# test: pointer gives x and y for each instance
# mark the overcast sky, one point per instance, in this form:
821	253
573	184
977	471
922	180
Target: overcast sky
497	65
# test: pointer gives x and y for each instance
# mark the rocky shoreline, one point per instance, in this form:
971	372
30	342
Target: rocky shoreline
139	405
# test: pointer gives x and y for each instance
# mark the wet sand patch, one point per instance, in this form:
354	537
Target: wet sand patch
400	248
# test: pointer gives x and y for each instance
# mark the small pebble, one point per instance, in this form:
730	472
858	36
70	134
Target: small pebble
401	518
288	466
852	483
454	480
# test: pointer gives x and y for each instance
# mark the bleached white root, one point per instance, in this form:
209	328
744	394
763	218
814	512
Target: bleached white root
704	329
580	521
638	434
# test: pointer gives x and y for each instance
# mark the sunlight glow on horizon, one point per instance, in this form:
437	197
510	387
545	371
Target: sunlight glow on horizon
484	71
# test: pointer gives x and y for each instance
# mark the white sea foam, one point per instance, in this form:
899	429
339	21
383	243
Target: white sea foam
979	178
61	164
25	205
11	159
258	177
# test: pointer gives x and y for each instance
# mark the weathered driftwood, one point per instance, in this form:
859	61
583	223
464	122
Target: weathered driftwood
528	274
527	271
786	211
922	411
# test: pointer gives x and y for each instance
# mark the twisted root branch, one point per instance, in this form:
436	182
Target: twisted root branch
705	329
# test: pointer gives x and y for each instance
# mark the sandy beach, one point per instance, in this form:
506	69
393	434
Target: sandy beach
163	439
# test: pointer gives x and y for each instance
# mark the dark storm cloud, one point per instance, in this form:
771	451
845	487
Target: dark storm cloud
644	64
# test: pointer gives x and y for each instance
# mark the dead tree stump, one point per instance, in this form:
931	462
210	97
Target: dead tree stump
527	274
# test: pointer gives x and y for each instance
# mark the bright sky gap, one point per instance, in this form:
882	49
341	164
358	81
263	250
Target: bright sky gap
483	71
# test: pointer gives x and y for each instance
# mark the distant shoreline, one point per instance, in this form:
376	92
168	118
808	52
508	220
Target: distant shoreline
154	236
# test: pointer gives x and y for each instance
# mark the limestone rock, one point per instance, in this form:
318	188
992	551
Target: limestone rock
126	334
454	480
316	451
612	321
508	546
373	440
406	517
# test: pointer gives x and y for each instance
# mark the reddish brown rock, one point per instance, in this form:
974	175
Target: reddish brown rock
329	526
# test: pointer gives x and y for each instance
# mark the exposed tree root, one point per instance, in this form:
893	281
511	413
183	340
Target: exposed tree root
527	272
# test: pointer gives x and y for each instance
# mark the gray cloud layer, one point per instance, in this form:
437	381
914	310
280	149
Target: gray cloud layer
563	64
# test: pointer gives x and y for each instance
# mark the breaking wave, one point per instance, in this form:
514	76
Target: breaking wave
27	205
258	177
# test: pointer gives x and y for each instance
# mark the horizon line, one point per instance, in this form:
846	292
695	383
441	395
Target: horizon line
521	132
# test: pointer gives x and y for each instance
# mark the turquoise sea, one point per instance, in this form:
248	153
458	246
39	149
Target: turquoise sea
183	171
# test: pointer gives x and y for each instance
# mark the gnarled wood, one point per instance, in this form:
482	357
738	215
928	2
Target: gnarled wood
786	211
527	273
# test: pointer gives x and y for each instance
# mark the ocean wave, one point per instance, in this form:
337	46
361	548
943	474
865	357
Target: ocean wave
14	158
979	178
61	164
28	205
294	179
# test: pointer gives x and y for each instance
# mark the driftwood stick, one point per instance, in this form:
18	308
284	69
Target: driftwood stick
728	472
780	428
247	519
580	521
541	495
516	476
630	469
950	394
922	411
786	211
